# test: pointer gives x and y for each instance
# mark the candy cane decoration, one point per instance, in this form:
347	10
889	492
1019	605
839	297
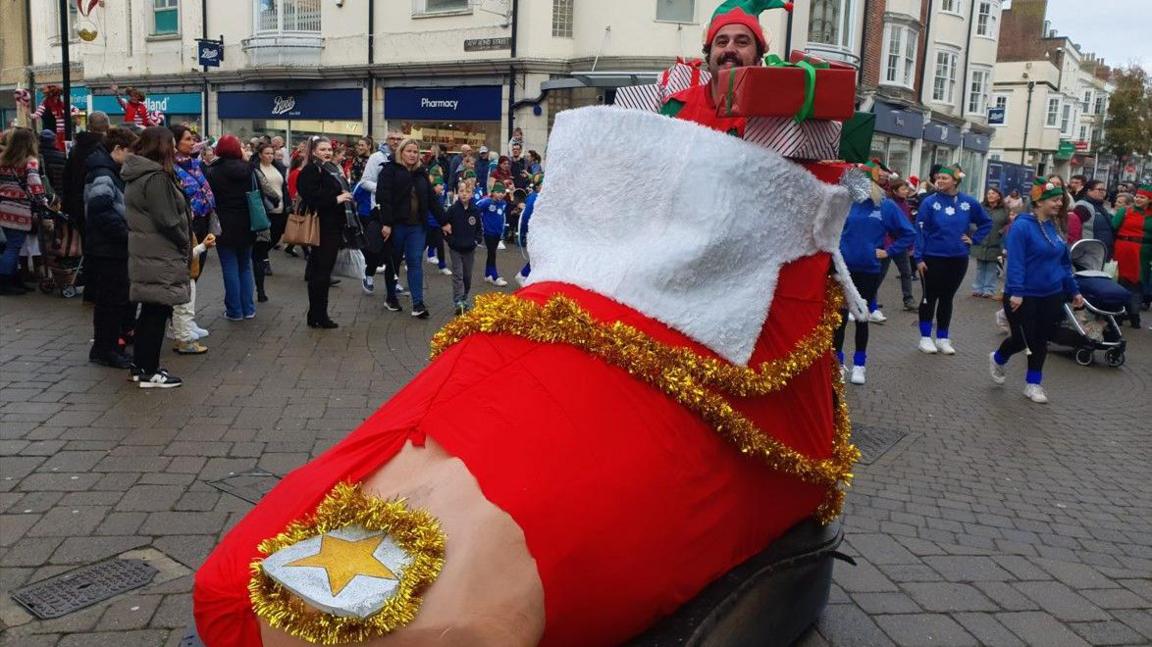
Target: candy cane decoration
85	7
23	97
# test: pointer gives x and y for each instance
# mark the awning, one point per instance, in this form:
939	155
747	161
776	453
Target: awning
604	79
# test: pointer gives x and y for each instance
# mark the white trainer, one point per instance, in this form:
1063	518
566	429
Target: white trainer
945	346
520	279
996	370
926	346
500	282
1035	393
432	260
851	317
857	374
489	279
445	271
200	332
501	245
877	317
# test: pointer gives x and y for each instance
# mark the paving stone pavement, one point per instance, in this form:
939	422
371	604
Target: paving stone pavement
992	521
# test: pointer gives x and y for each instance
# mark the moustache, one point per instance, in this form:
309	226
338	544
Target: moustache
727	57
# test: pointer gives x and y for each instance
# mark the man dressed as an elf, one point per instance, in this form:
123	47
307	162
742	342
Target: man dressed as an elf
1133	251
658	405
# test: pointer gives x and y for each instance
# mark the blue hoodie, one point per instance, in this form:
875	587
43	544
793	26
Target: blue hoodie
864	234
526	215
1038	261
492	215
943	219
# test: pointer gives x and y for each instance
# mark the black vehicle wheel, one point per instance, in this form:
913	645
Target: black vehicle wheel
1114	358
1085	357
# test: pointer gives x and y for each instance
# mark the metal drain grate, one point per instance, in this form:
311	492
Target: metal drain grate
83	587
250	486
874	442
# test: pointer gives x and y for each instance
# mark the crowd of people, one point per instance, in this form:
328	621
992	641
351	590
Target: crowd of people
1021	245
148	202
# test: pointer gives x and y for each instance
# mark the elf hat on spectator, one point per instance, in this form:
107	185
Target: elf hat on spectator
1145	190
499	188
1043	189
746	13
913	182
954	170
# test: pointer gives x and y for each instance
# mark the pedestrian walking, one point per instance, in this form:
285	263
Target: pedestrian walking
435	236
273	184
899	191
942	246
1133	254
1039	280
987	252
322	191
492	210
22	201
378	253
231	180
159	248
463	233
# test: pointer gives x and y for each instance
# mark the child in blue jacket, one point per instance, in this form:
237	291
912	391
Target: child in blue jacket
862	245
943	238
529	209
492	213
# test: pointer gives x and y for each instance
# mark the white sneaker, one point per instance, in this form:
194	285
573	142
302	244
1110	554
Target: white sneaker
851	317
996	370
926	346
500	282
1035	393
857	374
445	271
432	260
501	245
201	333
489	279
945	346
877	317
520	279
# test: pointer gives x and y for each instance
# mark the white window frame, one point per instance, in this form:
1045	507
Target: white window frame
1086	104
845	28
73	16
420	9
563	14
950	6
1052	114
1101	105
691	13
905	56
1083	133
981	108
170	5
1067	118
281	15
949	87
1001	101
987	18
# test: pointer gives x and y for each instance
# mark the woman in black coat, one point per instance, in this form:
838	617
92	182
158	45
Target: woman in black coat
321	189
231	179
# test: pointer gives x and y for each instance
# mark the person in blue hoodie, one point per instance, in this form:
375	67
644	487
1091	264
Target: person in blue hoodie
862	245
1039	280
525	216
492	210
943	238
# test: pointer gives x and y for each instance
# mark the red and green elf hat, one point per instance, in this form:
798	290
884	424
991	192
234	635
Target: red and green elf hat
1043	189
744	12
1145	190
499	188
954	170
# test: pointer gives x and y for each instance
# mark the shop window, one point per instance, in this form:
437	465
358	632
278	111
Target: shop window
676	10
1066	119
73	13
944	83
288	15
165	17
900	156
879	148
986	19
978	91
900	55
562	18
1053	118
830	22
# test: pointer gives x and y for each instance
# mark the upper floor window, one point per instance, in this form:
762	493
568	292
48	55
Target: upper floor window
73	14
952	6
165	17
1086	104
562	18
1052	119
944	83
439	6
1002	101
830	23
1100	103
676	10
1066	119
978	91
899	55
986	19
288	15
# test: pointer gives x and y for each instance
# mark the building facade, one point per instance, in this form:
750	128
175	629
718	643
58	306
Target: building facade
15	56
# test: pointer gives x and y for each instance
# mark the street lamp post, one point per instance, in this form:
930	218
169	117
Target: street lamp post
66	69
1027	122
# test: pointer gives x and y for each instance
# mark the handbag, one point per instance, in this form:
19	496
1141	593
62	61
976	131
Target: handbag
302	228
257	214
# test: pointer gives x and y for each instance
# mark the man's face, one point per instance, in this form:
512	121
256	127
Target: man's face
394	140
277	143
733	46
465	150
1075	184
516	151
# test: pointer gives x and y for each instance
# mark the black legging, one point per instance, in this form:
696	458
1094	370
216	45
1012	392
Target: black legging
866	284
436	242
491	243
150	336
320	264
941	281
1031	326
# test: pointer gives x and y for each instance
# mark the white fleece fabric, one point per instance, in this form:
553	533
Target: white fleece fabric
685	224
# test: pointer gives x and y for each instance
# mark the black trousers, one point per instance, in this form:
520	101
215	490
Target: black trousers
867	285
436	242
150	335
490	244
110	296
941	281
320	265
1031	325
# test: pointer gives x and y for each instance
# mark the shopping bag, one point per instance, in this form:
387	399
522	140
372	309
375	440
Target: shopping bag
257	214
350	263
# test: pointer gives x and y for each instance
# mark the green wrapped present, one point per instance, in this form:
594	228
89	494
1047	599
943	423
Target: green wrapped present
856	138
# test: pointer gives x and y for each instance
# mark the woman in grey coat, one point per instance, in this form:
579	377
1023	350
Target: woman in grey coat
159	248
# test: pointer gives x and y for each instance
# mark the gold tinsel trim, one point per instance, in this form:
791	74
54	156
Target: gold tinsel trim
416	532
698	383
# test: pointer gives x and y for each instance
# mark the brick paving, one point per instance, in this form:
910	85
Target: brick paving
993	521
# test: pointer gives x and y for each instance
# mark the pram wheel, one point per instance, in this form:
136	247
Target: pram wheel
1114	358
68	291
1085	357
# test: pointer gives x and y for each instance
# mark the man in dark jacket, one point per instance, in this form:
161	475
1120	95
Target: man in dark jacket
107	246
75	175
52	164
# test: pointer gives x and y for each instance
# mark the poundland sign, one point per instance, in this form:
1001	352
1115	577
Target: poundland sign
467	103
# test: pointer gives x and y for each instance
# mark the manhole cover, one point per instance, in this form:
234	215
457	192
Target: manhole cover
250	486
83	587
874	442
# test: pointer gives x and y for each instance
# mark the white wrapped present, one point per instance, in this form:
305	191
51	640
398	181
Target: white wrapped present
812	139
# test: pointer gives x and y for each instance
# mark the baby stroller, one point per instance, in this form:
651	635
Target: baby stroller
61	247
1094	328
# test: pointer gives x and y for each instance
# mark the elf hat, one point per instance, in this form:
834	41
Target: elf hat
469	175
1043	190
954	170
746	13
1145	190
499	188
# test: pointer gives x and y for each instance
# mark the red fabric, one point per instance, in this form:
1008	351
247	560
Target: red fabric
698	108
135	112
1127	252
737	16
757	91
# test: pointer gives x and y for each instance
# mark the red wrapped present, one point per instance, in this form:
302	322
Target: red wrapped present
686	73
804	88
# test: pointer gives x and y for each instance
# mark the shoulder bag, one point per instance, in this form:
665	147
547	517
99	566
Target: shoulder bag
257	214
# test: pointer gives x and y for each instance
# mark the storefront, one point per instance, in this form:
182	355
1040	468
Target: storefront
940	143
897	130
293	114
177	107
450	116
8	112
972	159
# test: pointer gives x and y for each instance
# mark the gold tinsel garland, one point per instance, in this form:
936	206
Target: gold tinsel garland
698	383
416	532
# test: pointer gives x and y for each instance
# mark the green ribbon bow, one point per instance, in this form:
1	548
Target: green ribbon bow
808	108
